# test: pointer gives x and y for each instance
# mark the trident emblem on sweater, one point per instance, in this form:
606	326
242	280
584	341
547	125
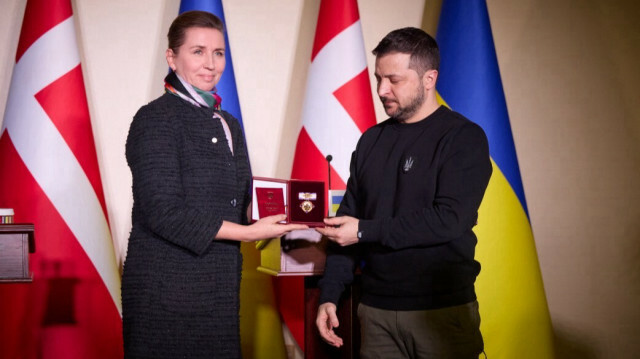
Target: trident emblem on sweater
408	163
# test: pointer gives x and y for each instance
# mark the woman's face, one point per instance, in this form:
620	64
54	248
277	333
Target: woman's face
200	60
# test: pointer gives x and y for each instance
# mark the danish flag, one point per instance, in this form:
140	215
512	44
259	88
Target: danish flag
338	108
49	175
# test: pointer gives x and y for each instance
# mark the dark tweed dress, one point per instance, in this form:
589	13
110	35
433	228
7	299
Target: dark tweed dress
180	288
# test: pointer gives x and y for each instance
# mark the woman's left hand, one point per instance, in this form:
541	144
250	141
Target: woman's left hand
270	227
264	228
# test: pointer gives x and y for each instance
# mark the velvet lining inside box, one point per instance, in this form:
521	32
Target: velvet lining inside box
302	201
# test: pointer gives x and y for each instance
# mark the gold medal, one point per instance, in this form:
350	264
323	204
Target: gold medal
306	206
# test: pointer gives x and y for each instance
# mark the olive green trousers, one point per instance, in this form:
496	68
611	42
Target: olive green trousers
452	332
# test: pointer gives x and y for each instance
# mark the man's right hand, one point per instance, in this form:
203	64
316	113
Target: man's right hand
326	321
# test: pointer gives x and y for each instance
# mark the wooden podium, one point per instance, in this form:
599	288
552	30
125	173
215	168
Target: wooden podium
293	257
16	242
299	257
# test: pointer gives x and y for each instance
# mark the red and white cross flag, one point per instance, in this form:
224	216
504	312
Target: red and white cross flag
338	108
49	175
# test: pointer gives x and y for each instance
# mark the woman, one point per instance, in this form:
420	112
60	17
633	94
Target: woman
181	280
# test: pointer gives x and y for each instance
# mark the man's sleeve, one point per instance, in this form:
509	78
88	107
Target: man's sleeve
340	262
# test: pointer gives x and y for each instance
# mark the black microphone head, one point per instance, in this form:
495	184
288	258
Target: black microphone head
329	158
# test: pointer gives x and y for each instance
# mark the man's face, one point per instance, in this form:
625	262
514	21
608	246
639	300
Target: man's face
400	88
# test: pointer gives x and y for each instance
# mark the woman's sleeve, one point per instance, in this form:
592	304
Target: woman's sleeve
153	154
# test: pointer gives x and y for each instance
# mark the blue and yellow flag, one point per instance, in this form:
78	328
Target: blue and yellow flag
513	306
260	323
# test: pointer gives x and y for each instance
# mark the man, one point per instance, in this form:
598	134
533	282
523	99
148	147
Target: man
417	180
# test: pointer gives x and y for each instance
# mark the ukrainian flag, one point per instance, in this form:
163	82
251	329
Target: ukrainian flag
260	324
335	198
513	306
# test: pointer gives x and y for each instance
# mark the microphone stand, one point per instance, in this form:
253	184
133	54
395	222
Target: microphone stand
329	158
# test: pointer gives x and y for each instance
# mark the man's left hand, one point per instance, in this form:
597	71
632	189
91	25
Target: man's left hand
342	230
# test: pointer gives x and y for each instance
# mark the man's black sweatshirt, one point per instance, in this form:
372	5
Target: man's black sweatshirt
416	189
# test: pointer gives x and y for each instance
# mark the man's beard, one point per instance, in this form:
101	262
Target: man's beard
404	113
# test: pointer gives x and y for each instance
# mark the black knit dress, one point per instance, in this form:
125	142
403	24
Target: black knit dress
180	287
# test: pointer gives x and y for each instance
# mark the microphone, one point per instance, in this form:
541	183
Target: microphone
329	158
